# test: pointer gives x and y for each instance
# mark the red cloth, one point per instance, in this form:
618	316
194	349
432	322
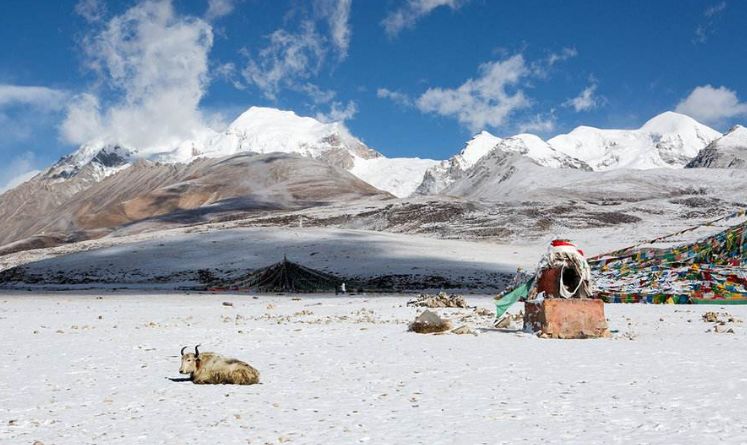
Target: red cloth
562	242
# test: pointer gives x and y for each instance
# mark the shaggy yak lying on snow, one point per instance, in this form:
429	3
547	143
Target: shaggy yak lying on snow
213	369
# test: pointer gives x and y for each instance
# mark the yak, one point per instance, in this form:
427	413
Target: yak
213	369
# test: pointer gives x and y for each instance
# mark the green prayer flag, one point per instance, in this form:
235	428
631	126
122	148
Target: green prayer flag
502	305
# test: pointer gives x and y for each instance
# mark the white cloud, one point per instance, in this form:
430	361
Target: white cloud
413	10
229	72
586	99
711	105
395	96
562	56
703	30
484	101
338	113
337	15
289	58
714	9
18	170
27	110
156	64
219	8
91	10
34	96
318	95
292	58
539	123
542	68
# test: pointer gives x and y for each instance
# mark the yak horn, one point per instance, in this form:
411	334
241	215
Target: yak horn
197	352
182	352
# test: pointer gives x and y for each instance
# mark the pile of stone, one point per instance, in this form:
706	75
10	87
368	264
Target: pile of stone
722	322
442	300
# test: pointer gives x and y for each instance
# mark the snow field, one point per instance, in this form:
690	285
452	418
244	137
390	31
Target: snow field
79	369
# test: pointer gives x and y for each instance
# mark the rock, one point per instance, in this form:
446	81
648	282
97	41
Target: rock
510	321
481	311
464	330
429	322
721	329
710	317
442	300
503	323
227	303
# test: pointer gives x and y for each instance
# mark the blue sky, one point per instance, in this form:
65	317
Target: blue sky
409	77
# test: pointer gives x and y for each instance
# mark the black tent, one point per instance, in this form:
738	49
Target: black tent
287	276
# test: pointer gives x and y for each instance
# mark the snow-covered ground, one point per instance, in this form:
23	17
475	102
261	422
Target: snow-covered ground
93	368
170	259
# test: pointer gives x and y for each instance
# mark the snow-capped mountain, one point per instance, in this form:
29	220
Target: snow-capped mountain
398	176
504	176
533	147
539	151
258	130
728	151
266	130
100	158
669	140
443	174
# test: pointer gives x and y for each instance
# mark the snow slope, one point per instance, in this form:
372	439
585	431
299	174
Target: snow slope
172	258
728	151
398	176
539	151
507	176
94	368
669	140
441	176
266	130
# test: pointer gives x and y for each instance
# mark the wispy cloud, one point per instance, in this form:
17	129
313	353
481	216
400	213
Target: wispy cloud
541	123
407	15
294	57
706	28
219	8
542	67
561	56
27	110
17	170
289	59
713	106
395	96
586	100
337	15
33	96
91	10
338	112
154	62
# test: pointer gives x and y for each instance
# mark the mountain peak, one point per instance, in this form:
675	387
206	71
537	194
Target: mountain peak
668	140
669	122
105	157
477	147
728	151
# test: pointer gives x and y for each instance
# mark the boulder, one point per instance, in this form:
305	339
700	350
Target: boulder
429	322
